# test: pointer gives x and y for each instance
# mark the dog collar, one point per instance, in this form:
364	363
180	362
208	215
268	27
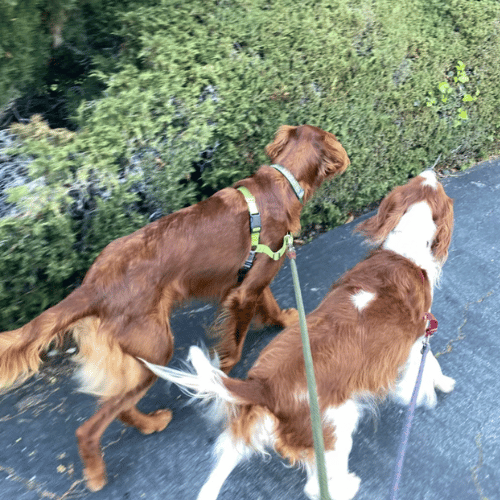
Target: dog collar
297	189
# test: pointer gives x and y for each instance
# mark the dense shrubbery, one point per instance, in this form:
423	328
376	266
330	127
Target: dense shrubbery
198	88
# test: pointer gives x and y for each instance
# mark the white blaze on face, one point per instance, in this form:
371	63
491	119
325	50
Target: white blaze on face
413	237
415	230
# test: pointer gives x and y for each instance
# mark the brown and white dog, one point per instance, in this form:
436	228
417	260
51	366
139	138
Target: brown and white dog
365	346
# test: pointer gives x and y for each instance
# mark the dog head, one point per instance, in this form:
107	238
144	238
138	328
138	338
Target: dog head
309	153
421	209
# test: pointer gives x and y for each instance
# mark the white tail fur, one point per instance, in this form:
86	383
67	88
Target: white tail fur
203	381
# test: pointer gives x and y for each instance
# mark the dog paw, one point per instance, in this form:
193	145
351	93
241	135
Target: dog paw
445	384
289	317
157	421
344	488
339	487
428	399
95	481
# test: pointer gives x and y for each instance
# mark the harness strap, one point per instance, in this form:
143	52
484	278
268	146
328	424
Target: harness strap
255	228
292	180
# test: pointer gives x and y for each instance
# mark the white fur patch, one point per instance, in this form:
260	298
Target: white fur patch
430	179
263	434
229	454
412	238
342	484
301	397
361	299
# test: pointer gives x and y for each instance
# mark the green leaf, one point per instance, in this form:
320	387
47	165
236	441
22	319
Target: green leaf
444	88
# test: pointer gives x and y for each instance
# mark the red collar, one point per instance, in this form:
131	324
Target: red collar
433	324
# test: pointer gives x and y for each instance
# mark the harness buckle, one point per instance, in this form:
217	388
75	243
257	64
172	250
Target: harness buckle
251	257
246	266
255	223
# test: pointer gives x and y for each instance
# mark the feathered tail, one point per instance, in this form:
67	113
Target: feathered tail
203	381
20	349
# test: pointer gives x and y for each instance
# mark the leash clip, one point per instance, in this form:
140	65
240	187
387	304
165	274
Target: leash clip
290	251
430	330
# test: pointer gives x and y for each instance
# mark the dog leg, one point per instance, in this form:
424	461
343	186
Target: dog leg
238	309
432	379
342	484
270	313
89	434
229	455
439	381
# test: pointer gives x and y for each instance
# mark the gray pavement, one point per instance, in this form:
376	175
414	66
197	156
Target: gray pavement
454	450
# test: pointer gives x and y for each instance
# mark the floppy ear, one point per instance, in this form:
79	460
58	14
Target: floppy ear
444	222
280	141
335	159
392	208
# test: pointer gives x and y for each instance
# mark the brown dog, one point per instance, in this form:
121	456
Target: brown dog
121	311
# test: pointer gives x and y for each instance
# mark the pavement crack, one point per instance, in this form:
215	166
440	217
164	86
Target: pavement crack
39	489
461	334
73	493
122	432
475	470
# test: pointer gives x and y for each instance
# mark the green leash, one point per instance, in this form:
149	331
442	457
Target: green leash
255	227
319	446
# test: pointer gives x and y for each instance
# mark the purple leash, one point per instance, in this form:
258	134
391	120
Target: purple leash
405	436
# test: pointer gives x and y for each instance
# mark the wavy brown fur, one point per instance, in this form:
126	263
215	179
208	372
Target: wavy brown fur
352	353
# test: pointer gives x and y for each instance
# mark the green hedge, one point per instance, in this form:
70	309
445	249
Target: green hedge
200	87
24	46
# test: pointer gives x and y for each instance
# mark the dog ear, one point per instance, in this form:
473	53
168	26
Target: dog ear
444	222
392	208
281	139
335	159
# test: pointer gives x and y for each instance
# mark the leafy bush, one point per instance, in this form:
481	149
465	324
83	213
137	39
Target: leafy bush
197	89
363	70
58	223
24	47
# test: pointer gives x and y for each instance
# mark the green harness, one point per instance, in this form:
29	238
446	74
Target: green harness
256	224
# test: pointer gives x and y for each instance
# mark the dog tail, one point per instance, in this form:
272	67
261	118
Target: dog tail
202	380
20	349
